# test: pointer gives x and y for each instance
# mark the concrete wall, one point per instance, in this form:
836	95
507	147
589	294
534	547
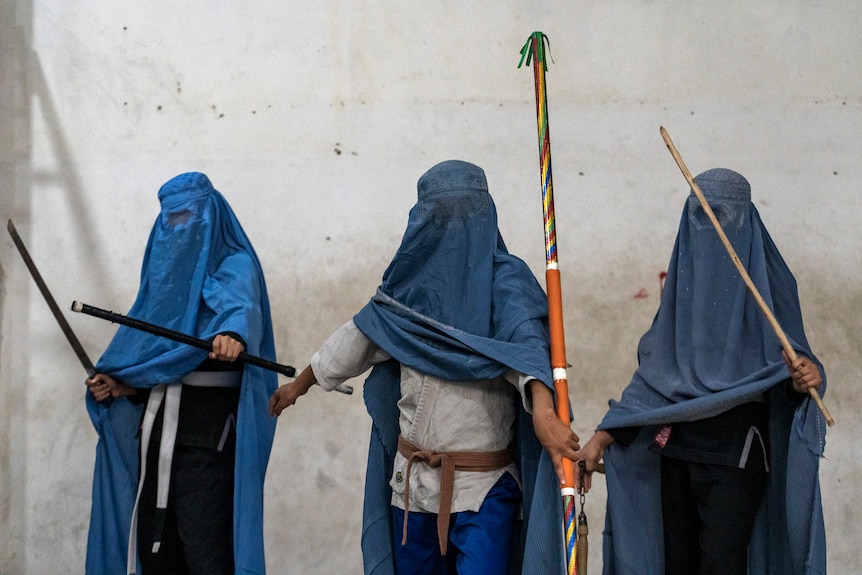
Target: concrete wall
315	119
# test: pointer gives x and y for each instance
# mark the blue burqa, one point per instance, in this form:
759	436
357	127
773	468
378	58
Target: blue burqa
200	276
455	304
710	348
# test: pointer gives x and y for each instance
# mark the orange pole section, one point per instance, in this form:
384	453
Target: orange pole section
558	358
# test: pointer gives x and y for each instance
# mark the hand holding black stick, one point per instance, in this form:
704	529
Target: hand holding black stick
287	370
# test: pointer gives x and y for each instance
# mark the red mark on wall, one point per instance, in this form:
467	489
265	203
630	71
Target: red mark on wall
644	294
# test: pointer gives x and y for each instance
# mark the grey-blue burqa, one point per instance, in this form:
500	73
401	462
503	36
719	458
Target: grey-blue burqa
709	349
454	303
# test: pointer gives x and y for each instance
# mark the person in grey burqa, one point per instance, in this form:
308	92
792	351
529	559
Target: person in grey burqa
457	338
712	452
205	436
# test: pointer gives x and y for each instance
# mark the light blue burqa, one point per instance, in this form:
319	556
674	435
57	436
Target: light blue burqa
710	348
200	276
455	304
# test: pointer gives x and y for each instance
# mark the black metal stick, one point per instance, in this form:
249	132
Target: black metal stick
77	306
113	317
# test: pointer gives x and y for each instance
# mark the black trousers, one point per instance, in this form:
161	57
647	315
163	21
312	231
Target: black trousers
197	537
708	515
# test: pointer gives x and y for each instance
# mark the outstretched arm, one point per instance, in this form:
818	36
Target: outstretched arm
287	394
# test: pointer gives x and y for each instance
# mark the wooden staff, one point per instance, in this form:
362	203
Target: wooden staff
785	343
535	48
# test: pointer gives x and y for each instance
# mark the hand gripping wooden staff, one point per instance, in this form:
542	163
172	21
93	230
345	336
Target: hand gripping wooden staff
535	49
785	343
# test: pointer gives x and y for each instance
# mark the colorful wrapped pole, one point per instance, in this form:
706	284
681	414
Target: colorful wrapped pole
534	50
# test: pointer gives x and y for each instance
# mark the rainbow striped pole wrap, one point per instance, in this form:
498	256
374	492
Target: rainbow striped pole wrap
534	50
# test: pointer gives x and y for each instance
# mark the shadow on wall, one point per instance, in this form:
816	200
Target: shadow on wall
23	91
64	176
15	158
10	512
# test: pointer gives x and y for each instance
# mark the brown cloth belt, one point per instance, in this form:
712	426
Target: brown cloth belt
449	462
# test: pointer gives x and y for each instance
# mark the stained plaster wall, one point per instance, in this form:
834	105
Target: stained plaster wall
316	118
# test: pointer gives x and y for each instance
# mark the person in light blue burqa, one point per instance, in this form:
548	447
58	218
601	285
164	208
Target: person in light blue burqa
712	452
205	436
457	340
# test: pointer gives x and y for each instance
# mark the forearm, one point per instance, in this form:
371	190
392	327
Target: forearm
541	399
287	394
304	381
557	438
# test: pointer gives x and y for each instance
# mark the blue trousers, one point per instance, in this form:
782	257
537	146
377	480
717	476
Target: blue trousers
480	542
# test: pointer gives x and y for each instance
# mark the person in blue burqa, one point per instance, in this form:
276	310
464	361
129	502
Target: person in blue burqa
457	338
712	451
205	436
